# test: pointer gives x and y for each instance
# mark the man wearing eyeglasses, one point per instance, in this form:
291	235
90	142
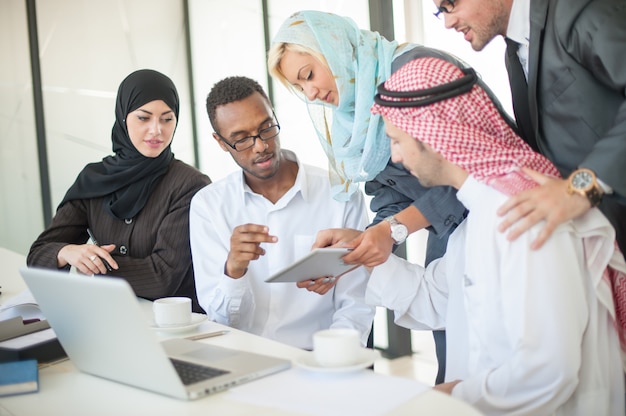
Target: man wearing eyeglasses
565	60
262	218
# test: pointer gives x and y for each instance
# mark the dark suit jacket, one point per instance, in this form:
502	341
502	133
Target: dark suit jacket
577	91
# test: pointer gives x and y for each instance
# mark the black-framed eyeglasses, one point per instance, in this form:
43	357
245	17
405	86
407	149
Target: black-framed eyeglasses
247	142
446	6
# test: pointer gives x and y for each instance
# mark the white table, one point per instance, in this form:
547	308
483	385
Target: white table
66	391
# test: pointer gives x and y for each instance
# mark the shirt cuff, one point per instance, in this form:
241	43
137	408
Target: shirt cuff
379	282
470	391
235	285
376	285
605	188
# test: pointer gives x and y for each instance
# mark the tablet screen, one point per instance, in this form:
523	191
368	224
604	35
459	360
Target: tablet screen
320	262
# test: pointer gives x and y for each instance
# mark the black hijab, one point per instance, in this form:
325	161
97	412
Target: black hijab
127	179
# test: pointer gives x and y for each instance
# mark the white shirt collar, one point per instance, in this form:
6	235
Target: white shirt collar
300	185
519	22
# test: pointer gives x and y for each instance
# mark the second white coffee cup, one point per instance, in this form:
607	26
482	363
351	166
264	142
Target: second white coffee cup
172	311
338	347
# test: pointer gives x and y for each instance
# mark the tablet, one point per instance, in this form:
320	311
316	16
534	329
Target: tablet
320	262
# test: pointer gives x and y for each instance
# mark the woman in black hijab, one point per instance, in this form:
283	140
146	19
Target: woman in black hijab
135	202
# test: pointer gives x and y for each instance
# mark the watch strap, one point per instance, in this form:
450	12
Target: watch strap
594	195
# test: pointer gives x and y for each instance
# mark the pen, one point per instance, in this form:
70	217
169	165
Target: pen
93	240
207	335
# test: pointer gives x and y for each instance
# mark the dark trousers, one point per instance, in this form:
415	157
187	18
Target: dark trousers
440	350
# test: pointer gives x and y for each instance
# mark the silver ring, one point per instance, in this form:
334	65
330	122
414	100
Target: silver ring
93	258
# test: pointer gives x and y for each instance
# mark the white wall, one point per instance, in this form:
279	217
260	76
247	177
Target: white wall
20	201
228	40
88	46
489	63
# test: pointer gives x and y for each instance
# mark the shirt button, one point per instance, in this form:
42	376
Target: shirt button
128	220
123	250
391	182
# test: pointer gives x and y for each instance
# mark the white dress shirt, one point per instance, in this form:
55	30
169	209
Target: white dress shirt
525	330
280	311
519	30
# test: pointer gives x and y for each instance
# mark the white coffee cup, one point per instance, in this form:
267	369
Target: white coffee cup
338	347
173	311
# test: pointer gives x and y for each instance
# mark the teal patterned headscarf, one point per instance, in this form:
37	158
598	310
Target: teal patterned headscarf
356	144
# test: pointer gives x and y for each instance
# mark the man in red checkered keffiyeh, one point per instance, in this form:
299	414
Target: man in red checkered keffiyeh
465	128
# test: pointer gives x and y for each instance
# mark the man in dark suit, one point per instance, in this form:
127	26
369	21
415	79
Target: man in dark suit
572	107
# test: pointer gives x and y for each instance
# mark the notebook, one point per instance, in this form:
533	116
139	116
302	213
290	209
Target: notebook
19	377
104	331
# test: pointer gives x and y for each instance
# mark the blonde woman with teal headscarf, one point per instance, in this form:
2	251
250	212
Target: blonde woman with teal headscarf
335	68
359	60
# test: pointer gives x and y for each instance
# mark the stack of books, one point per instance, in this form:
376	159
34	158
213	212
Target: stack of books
25	334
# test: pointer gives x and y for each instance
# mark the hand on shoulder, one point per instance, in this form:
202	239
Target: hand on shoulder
549	202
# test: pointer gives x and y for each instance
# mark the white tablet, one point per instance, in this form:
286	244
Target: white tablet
320	262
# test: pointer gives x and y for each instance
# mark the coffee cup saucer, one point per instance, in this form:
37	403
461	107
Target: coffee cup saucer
196	319
367	356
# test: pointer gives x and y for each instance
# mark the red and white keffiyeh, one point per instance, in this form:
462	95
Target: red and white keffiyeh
469	131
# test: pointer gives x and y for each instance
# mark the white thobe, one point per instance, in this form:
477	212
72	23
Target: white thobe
526	333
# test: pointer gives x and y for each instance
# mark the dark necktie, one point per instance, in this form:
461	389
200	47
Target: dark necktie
519	92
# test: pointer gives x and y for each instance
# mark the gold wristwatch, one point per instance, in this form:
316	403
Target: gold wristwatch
584	182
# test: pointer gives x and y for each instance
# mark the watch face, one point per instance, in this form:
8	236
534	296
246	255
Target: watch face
399	233
582	180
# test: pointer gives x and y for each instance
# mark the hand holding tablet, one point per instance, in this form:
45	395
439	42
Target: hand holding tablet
320	262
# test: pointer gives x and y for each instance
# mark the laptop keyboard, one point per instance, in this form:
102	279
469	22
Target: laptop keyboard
191	373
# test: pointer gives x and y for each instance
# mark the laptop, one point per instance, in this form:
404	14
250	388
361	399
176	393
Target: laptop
103	329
